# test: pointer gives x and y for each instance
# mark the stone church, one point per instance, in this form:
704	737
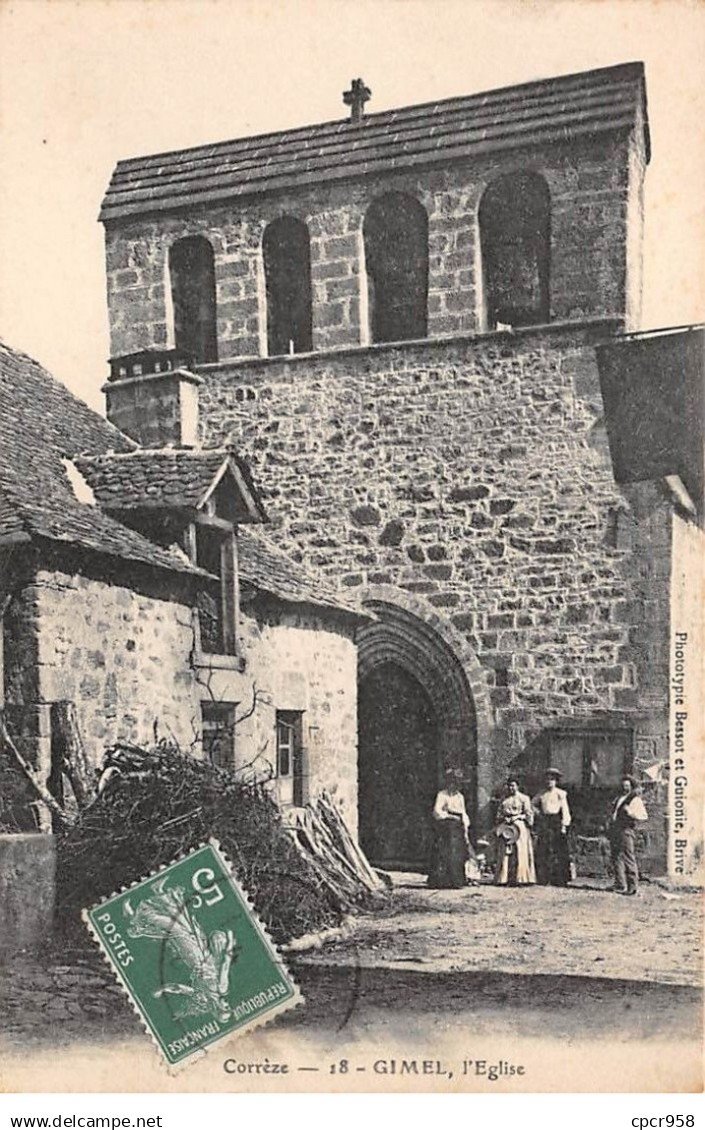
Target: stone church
414	325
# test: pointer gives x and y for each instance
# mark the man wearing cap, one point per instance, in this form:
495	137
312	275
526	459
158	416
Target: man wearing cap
553	822
629	811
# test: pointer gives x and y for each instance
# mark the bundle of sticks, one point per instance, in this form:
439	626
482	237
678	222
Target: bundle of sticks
323	839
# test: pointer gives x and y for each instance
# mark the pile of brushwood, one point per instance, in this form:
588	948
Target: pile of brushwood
154	805
324	843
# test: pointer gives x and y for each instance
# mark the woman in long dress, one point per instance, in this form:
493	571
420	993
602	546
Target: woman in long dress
450	840
553	822
515	852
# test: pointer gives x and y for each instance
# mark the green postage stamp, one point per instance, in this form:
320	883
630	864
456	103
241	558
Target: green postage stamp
191	954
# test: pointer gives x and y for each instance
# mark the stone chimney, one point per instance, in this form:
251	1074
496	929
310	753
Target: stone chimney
153	398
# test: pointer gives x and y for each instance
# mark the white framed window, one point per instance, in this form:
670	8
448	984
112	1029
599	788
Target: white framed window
591	758
290	769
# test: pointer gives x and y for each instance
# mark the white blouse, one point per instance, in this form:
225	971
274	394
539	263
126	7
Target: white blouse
450	804
554	801
635	808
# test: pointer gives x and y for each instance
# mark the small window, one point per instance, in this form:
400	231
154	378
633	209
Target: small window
515	239
593	765
501	677
216	601
245	392
591	760
218	733
290	757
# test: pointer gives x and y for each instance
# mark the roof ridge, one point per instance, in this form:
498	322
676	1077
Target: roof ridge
221	164
540	112
173	451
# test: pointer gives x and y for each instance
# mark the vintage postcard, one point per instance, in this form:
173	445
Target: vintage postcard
352	496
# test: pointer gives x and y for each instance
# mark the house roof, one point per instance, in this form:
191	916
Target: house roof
534	113
271	570
167	478
41	424
11	525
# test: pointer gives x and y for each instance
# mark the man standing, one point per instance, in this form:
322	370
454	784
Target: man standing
628	811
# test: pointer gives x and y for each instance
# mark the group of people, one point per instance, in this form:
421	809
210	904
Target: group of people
531	836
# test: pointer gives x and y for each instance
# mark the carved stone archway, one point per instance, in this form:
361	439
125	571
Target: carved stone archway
409	636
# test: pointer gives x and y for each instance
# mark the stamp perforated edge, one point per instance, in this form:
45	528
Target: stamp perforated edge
256	1022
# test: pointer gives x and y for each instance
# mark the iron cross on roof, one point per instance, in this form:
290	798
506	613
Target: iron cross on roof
356	97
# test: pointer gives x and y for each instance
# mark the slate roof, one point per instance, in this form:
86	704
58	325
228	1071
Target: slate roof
41	424
534	113
11	527
270	569
159	479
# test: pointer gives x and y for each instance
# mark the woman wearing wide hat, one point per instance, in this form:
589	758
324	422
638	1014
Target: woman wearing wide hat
451	843
515	852
552	824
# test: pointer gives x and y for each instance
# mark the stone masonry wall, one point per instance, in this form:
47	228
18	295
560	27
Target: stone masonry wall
27	718
474	473
122	657
297	661
595	189
126	660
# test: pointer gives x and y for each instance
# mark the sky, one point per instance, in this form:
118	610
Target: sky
84	83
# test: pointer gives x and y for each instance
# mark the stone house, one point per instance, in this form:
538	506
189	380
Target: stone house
397	319
137	585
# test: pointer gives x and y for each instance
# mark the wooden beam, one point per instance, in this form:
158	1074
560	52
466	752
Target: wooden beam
214	523
190	543
236	591
228	565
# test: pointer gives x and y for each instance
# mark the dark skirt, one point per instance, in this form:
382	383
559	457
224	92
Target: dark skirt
448	855
552	852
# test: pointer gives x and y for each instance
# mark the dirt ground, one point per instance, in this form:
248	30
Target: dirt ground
480	968
506	943
584	930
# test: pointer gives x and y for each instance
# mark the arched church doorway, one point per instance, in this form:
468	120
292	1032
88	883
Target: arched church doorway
416	718
398	771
